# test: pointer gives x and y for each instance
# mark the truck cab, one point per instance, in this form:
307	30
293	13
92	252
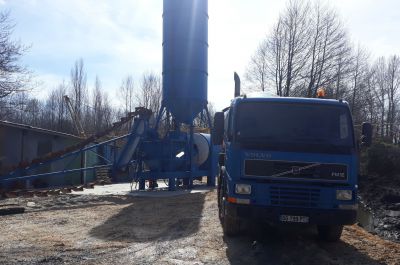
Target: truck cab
288	160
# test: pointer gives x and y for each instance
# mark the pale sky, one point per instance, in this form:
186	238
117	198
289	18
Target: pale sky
120	37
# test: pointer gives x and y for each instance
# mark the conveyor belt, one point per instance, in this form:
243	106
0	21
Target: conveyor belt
140	111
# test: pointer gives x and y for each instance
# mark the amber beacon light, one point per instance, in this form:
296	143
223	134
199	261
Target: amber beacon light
320	92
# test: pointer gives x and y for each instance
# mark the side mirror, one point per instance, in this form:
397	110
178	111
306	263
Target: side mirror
366	134
218	128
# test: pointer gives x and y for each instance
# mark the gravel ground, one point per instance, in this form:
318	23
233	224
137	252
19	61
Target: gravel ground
182	229
380	196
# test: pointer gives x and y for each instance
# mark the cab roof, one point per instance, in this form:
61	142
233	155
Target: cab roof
265	97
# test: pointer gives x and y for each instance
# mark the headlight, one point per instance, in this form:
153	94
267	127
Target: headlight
344	195
242	189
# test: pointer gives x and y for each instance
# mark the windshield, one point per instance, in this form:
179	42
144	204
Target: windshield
309	127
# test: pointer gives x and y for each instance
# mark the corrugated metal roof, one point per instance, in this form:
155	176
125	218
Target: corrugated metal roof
36	129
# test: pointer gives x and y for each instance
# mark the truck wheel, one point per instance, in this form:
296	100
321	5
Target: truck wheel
231	226
219	191
330	233
221	202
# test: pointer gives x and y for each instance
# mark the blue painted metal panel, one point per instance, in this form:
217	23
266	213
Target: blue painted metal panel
185	55
261	189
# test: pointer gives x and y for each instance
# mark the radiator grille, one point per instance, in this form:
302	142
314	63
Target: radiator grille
294	197
297	170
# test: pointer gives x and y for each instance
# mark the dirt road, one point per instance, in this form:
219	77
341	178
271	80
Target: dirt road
182	229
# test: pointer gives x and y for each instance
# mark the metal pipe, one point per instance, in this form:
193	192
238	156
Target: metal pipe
237	84
58	172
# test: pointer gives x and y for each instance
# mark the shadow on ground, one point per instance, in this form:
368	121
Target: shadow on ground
290	245
149	219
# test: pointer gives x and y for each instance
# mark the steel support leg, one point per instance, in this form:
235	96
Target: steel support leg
142	184
171	184
211	181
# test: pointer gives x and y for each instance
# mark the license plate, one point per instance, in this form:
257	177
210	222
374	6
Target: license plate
294	219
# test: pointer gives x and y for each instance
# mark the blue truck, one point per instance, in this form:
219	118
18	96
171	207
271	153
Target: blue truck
288	160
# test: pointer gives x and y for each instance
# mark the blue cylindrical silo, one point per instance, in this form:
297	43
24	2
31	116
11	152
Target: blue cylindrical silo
185	57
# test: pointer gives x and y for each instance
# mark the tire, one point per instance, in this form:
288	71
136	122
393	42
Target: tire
219	191
230	225
221	201
330	233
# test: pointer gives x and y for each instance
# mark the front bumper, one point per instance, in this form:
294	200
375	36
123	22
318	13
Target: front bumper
272	214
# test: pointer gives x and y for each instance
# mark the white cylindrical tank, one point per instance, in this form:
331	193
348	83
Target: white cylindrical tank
201	143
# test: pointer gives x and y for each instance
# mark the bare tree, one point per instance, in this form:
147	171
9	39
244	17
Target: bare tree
380	69
50	112
307	48
358	83
280	58
149	95
78	86
342	72
328	47
108	112
12	107
97	103
100	113
126	93
371	104
32	110
393	76
296	31
63	123
257	71
14	77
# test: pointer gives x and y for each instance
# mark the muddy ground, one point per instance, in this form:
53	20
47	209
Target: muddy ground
380	196
184	229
